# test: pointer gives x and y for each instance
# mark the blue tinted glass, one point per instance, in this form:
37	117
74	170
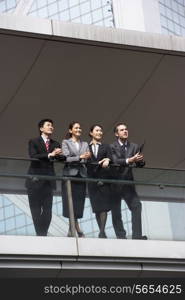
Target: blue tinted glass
73	2
17	210
1	201
6	201
33	7
30	230
1	214
9	211
10	224
42	13
97	15
2	227
63	4
96	4
85	8
64	16
74	12
20	220
21	231
41	3
2	6
52	9
10	4
56	17
28	220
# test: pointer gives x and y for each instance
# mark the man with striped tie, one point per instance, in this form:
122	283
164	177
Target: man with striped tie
40	191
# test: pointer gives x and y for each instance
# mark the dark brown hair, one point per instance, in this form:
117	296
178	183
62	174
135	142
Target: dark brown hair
117	125
70	127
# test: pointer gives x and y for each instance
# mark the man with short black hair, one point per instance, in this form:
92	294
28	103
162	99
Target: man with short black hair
126	154
40	191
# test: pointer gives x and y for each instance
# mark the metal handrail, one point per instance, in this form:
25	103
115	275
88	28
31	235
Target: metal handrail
86	163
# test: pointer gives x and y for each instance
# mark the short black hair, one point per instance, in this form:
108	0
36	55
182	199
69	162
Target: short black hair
92	128
41	123
117	125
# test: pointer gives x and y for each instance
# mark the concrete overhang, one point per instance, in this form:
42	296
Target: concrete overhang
92	74
74	257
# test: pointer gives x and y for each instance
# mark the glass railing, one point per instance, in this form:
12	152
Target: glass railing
160	191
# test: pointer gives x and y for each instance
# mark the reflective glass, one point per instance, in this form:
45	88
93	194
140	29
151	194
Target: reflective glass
74	12
73	2
85	8
9	211
9	224
160	191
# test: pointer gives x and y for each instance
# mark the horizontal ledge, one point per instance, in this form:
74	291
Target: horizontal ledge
53	29
91	247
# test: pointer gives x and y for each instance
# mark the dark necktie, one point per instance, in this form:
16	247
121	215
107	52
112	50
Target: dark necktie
123	150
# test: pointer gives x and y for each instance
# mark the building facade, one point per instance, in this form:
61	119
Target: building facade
158	16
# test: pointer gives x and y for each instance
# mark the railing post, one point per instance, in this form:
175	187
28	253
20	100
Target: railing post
70	205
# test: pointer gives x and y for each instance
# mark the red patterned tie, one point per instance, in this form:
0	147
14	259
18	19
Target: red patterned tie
47	145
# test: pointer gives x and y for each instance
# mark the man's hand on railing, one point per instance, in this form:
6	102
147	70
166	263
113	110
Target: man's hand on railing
55	152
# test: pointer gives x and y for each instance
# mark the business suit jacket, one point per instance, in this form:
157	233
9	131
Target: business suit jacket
43	166
104	151
119	156
99	192
72	154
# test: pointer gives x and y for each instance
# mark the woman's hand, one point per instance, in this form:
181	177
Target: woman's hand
104	162
85	155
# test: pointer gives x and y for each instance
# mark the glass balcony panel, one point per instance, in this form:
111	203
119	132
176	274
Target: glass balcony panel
161	192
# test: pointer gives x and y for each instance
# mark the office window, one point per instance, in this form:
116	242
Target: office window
8	5
172	14
73	2
79	11
74	12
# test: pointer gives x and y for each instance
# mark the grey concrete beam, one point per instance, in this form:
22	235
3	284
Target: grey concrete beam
34	245
91	247
91	33
20	24
132	248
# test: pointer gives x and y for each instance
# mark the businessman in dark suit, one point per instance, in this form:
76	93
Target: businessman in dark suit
126	154
40	191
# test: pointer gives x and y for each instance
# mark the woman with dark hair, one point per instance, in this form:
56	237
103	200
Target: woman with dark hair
75	151
99	192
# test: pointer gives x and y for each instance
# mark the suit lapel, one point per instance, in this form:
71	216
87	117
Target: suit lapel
100	149
81	145
42	144
73	147
118	148
92	154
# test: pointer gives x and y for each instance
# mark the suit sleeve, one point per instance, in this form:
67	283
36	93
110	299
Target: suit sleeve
109	153
60	157
67	154
34	152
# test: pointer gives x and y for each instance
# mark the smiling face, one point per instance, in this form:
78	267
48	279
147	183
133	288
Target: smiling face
122	132
96	133
47	128
76	130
